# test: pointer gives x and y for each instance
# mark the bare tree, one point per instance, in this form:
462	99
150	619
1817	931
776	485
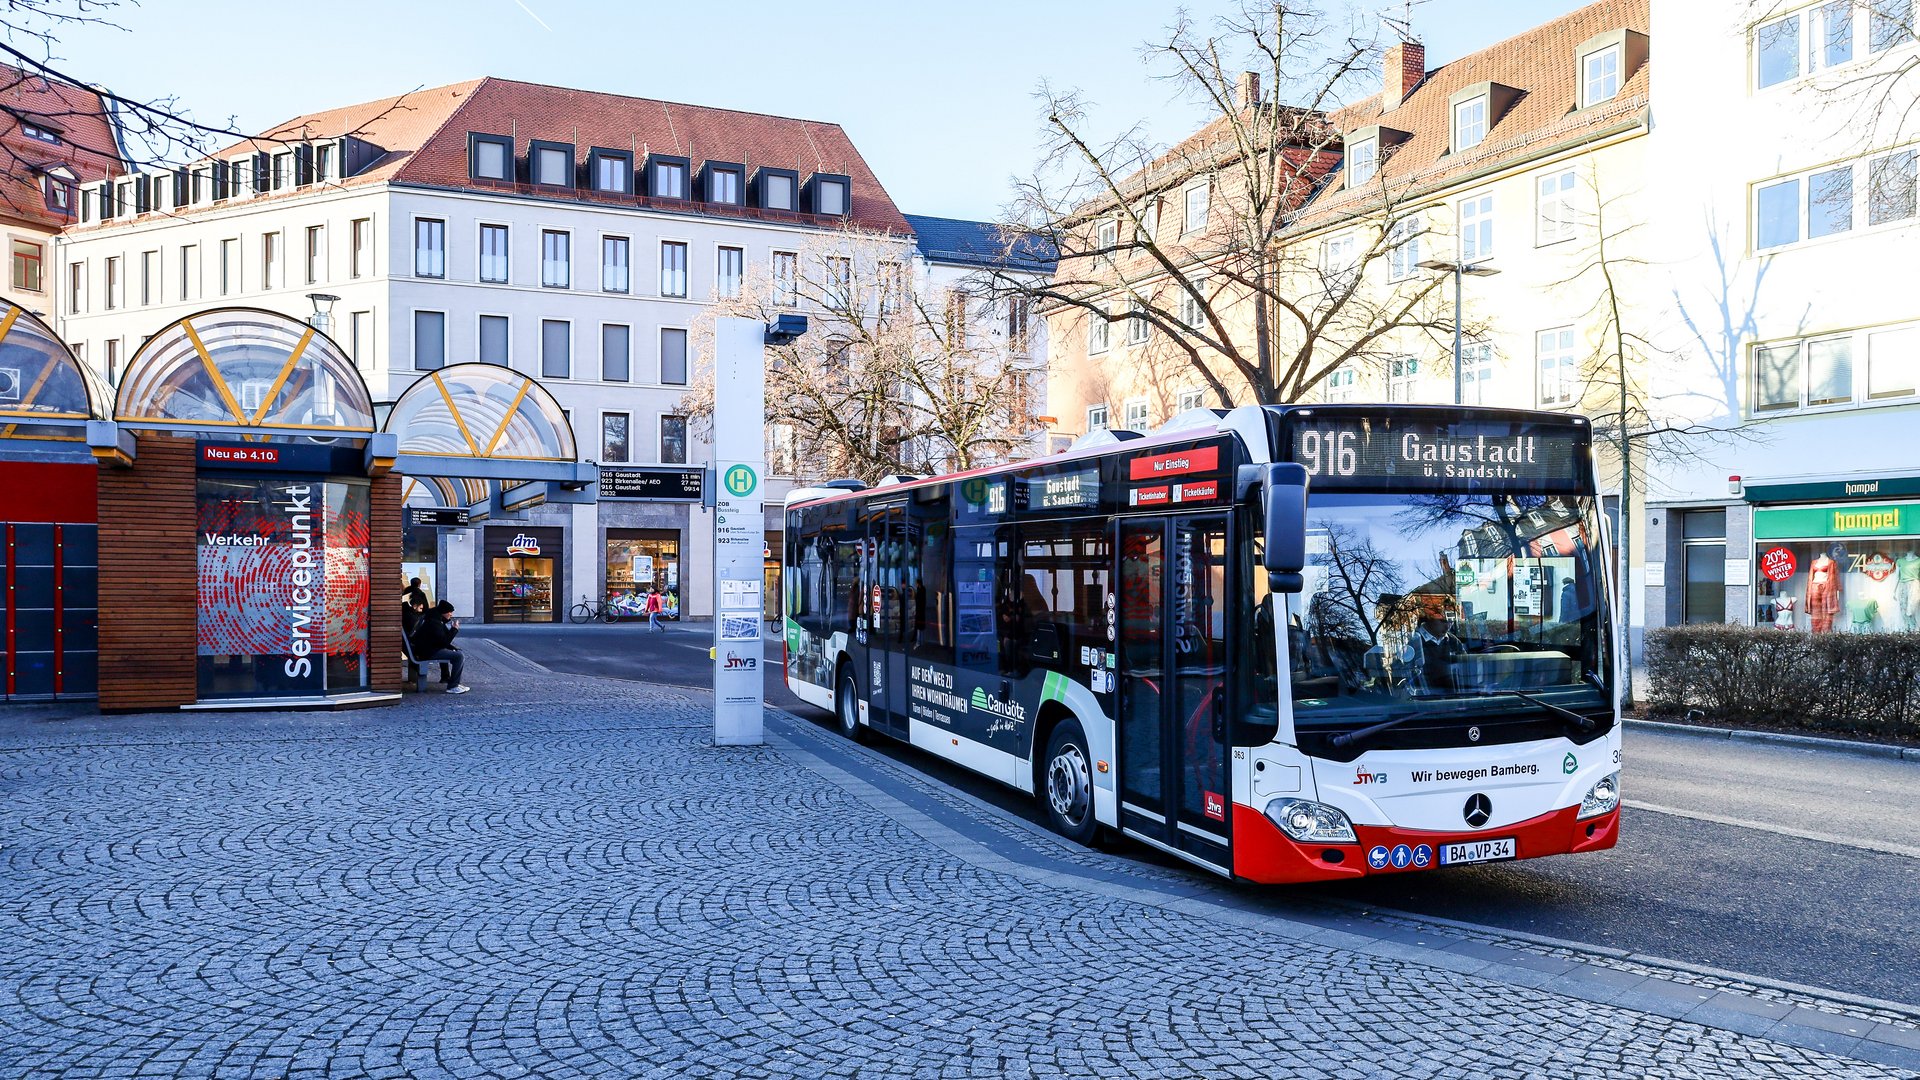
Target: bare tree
1878	98
1186	240
891	377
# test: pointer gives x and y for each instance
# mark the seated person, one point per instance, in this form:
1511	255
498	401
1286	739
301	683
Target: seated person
1429	653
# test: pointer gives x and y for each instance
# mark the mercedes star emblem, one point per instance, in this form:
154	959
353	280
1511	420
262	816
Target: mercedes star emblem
1473	734
1479	809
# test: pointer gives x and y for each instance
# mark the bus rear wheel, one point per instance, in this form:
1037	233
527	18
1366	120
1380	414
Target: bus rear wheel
1067	790
846	712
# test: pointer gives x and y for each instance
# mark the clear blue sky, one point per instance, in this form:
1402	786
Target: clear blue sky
937	95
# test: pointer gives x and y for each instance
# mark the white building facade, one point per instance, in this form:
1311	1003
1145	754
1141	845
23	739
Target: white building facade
1783	200
592	283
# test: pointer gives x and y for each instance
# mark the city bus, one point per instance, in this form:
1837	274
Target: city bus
1282	643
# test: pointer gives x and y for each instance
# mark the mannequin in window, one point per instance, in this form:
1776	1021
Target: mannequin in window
1783	612
1860	615
1906	590
1823	593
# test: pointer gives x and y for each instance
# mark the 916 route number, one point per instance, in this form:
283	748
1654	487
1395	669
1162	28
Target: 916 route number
1330	452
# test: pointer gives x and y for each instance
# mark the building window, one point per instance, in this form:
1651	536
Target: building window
1476	373
27	263
613	438
1195	217
35	131
322	163
113	359
429	340
552	165
495	266
893	287
1559	367
362	255
429	248
316	254
1149	229
776	191
360	338
786	279
1340	262
1339	386
1138	328
1600	76
1106	238
1476	228
116	284
613	263
496	340
729	270
673	268
723	186
1469	123
1099	331
282	171
76	288
673	440
59	193
1891	187
1554	218
830	197
1363	162
556	259
1403	257
669	180
1018	313
270	260
1403	376
839	281
1801	374
1192	399
616	355
556	349
1134	415
1835	200
1889	23
612	173
1097	419
229	267
149	275
1703	548
673	357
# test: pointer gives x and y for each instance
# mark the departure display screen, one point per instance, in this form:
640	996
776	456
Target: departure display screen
1344	452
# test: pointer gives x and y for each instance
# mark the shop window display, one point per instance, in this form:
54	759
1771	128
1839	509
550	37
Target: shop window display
523	588
1857	585
637	566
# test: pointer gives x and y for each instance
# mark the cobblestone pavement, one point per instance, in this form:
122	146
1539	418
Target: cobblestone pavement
560	877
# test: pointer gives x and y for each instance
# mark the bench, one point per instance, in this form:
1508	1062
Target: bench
419	667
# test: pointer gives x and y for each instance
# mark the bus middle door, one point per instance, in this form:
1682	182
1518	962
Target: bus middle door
1173	614
888	596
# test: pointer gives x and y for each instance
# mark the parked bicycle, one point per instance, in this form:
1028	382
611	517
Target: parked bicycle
588	609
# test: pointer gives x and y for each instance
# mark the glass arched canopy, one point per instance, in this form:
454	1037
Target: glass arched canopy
444	491
481	411
245	368
41	380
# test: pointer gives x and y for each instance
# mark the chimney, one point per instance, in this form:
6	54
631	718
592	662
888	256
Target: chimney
1403	66
1246	90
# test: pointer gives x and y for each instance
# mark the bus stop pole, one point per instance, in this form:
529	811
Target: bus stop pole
739	530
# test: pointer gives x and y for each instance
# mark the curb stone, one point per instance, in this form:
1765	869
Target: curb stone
1804	742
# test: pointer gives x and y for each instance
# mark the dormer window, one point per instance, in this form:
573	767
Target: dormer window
612	171
489	157
726	183
1599	76
667	177
1469	123
324	156
777	189
36	131
1363	162
551	163
57	184
830	195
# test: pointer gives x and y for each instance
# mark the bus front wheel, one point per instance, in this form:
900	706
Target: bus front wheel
847	707
1067	794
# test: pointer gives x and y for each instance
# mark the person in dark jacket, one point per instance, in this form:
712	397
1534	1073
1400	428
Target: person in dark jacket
412	610
433	640
414	592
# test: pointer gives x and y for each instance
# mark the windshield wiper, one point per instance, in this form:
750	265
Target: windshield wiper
1581	722
1352	737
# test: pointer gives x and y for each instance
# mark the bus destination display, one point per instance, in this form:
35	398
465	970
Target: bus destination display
1357	453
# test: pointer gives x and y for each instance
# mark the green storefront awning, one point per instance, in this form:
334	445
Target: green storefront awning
1849	519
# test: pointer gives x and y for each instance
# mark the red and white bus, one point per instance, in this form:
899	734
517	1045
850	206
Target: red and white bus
1282	643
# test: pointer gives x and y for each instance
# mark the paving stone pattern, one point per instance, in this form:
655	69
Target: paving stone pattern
558	877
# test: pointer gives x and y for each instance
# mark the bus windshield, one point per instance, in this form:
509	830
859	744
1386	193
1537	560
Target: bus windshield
1415	602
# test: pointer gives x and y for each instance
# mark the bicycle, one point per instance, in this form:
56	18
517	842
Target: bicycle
589	608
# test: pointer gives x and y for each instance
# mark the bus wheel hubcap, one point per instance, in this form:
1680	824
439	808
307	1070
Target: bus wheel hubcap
1067	784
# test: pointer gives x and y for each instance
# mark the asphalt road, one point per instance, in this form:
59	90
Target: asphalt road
1764	860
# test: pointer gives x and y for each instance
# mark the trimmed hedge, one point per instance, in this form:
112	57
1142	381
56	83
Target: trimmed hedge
1866	684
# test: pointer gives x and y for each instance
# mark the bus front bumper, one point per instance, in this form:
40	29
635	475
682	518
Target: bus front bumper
1262	853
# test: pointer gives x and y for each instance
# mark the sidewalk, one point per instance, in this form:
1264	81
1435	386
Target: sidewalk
562	877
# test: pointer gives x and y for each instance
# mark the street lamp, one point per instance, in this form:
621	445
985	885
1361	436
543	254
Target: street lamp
1458	269
322	317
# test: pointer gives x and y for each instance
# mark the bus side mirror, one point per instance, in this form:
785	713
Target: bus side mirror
1283	492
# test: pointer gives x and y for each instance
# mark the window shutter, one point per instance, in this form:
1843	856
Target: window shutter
262	173
303	165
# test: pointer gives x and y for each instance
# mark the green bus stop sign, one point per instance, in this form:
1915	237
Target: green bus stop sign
740	481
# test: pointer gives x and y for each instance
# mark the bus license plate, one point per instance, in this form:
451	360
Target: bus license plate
1476	851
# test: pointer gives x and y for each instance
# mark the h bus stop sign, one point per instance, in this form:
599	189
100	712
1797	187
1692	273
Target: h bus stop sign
739	530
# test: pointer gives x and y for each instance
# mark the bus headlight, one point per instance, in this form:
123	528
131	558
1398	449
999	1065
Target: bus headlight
1310	822
1602	798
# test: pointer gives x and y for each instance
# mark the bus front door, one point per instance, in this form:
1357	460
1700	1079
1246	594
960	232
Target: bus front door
1173	612
888	594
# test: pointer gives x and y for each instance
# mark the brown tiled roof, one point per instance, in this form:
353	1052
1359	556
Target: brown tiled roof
1541	63
87	143
425	136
